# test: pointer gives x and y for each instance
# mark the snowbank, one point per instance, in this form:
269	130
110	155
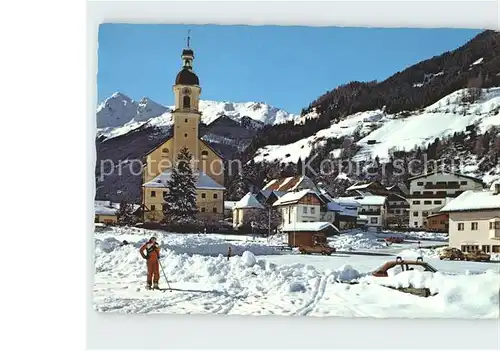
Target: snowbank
202	244
356	241
245	284
478	294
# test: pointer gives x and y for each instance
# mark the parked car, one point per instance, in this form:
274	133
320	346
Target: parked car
451	253
394	240
404	265
477	256
321	248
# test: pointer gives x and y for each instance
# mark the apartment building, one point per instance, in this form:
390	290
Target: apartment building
429	192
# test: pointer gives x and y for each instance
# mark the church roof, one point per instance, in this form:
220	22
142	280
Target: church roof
187	77
203	181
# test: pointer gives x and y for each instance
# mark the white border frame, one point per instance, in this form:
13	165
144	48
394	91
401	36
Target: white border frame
173	331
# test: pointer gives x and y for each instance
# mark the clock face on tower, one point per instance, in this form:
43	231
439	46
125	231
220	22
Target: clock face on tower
186	91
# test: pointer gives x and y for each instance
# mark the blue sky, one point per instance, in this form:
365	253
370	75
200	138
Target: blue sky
286	67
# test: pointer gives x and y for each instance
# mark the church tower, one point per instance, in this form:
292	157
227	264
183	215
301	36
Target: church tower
186	115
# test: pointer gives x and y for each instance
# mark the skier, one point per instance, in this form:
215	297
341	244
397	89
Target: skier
152	256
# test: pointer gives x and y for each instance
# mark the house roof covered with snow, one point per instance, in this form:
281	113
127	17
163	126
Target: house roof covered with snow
370	200
472	200
248	201
341	210
308	227
105	211
294	197
229	205
286	184
203	181
477	180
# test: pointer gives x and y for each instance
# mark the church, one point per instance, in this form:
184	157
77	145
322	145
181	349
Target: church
207	164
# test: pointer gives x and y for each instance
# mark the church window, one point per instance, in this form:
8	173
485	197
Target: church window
203	195
153	193
185	120
215	196
186	101
185	135
165	150
204	153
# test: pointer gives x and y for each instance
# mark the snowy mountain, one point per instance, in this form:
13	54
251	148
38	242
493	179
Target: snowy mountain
119	114
379	134
382	132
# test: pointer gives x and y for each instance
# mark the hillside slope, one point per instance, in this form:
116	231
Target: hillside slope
473	65
395	131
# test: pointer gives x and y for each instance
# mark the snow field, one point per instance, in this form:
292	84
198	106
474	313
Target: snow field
249	285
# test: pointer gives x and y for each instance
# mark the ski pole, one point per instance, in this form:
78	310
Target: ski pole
164	275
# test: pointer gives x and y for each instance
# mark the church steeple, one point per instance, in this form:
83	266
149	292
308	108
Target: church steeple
188	55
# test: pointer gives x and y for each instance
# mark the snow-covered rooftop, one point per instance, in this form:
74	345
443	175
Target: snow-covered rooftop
293	197
248	201
472	200
203	181
308	227
105	211
370	200
359	186
285	184
229	205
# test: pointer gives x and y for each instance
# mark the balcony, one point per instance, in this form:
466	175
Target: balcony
438	185
370	212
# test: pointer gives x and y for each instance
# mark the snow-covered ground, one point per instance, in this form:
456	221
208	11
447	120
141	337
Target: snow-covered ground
260	280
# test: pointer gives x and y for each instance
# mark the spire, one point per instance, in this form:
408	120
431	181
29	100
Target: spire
188	54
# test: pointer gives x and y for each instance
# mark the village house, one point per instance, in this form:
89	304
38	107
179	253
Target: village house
474	220
245	209
206	162
105	212
300	206
429	192
372	210
343	214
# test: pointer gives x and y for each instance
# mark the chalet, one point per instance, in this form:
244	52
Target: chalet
430	191
474	220
300	206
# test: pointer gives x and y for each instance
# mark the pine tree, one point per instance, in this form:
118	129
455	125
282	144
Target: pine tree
238	188
180	200
125	214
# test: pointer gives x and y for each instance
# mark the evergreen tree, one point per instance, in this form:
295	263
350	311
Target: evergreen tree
125	214
300	167
238	188
180	200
